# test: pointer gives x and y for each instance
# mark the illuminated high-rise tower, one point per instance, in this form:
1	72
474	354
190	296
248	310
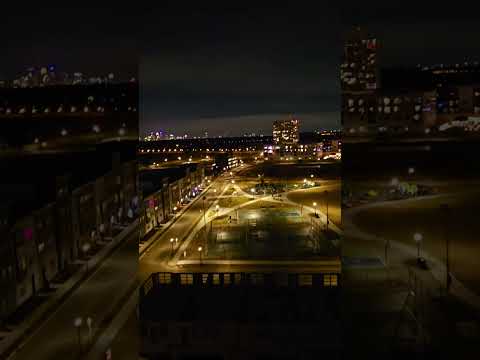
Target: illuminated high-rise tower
285	132
359	70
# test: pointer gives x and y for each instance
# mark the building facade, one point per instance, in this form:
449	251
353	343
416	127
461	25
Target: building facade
285	132
38	246
165	192
240	316
359	71
422	100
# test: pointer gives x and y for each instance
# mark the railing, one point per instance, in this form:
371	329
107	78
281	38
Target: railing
229	279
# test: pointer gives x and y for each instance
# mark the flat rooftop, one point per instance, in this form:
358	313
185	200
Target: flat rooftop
240	297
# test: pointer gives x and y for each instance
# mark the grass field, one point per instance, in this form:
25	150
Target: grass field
317	194
399	221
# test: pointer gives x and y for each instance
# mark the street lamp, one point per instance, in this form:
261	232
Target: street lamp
326	201
85	249
89	322
411	170
204	215
171	243
77	323
200	253
418	239
446	214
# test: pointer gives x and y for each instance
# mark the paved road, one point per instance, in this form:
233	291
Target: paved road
157	257
57	338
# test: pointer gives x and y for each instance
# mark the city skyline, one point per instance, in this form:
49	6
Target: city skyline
201	68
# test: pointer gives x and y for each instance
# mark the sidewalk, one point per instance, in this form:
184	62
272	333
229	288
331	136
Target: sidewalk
326	265
16	337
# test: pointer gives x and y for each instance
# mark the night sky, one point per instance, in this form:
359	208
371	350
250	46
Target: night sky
231	70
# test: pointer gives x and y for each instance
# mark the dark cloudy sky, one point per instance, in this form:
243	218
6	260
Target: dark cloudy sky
236	72
230	69
425	32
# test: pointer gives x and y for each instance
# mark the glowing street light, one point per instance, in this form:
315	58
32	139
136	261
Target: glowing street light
411	170
200	249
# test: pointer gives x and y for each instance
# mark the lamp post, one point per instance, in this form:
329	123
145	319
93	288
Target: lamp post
326	202
200	253
85	249
418	239
204	214
89	322
315	207
77	323
448	280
